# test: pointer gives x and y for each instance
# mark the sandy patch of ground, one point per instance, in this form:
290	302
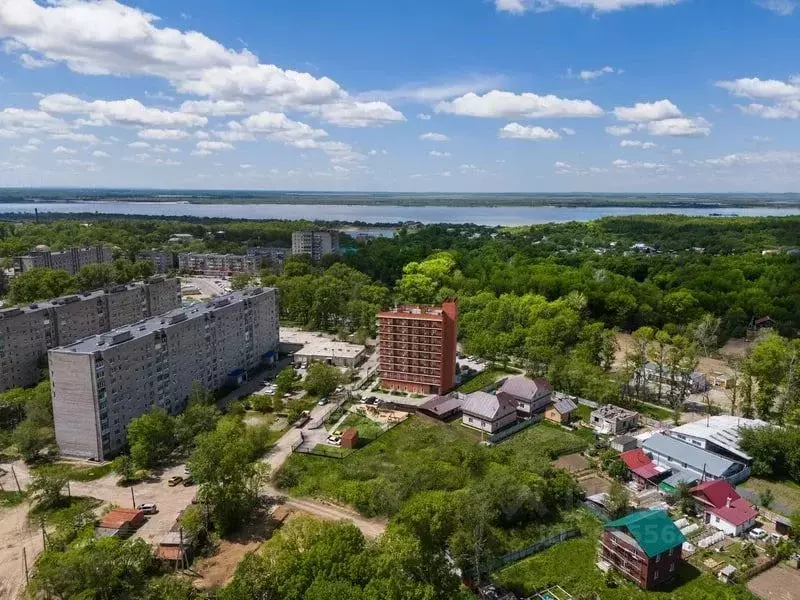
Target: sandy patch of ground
778	583
594	485
571	462
380	415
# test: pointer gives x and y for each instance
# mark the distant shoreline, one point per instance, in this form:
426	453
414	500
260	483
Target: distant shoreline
661	201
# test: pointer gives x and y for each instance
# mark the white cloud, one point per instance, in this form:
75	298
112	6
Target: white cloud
163	134
376	152
81	138
515	131
788	109
22	120
777	158
753	87
648	166
430	93
110	38
680	127
63	150
101	154
588	75
522	6
619	130
121	112
568	130
647	111
359	114
26	148
677	151
434	137
6	134
245	166
761	138
424	117
138	145
499	104
437	154
782	8
206	147
218	108
31	62
637	144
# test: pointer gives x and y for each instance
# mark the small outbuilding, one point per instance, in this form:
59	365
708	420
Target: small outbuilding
120	522
350	438
561	411
623	443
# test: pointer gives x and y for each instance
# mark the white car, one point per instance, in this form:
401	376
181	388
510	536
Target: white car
334	440
148	509
757	533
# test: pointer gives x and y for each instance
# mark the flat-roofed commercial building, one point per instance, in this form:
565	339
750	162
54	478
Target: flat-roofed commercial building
68	259
99	384
418	348
315	242
27	333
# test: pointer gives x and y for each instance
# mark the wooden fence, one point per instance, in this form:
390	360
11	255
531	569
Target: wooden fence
534	548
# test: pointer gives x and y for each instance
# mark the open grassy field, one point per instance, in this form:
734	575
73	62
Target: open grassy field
571	565
74	472
545	440
787	493
481	380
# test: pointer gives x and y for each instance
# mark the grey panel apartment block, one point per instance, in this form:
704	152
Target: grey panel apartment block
219	264
163	261
27	333
155	363
69	259
316	243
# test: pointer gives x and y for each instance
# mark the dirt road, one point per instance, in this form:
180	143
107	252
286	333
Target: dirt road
331	512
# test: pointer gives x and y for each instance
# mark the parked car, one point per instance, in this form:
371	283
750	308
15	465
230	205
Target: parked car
334	440
174	480
322	402
188	481
303	419
148	508
757	533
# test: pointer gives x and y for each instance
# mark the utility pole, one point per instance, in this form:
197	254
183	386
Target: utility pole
14	473
25	564
69	490
133	498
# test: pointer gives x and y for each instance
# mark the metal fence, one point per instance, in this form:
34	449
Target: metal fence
534	548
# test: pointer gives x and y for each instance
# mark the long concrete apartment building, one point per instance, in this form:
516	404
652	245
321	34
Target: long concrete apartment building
219	264
418	348
101	383
315	242
68	259
27	333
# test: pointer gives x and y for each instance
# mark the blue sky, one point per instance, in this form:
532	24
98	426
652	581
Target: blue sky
436	95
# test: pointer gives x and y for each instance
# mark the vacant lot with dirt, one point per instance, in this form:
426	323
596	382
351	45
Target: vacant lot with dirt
777	583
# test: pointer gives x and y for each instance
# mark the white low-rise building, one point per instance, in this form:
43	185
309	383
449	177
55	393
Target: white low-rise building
718	434
488	412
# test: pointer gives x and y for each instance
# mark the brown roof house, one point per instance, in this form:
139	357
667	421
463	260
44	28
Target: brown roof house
529	396
561	411
119	522
488	412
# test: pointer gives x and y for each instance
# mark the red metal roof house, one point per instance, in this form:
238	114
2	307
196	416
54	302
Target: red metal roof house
724	508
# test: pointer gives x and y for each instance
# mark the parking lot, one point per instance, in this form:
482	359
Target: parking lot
210	287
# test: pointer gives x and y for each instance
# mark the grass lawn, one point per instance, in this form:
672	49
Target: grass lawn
787	493
66	513
9	499
481	380
367	428
545	440
584	412
655	412
74	472
571	565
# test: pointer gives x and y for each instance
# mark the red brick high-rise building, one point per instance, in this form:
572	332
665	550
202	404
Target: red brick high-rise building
418	348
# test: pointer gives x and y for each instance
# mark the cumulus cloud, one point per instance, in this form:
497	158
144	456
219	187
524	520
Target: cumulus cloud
207	147
619	130
777	158
434	137
647	111
424	117
782	8
358	114
101	154
588	74
214	108
499	104
640	165
637	144
430	93
63	150
680	127
515	131
521	6
119	112
20	120
568	130
784	95
111	38
73	136
163	134
437	154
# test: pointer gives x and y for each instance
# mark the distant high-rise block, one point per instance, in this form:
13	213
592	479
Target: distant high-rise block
99	384
316	243
68	259
28	332
418	348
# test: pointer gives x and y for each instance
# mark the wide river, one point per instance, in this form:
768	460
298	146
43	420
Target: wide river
504	215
